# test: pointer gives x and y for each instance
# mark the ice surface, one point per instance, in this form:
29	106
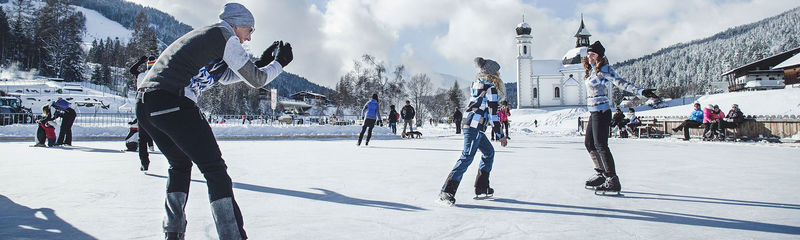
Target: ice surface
331	189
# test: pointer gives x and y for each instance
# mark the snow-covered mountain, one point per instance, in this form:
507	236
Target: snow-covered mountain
445	81
99	27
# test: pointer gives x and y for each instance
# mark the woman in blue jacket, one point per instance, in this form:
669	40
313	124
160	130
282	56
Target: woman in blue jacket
598	75
370	113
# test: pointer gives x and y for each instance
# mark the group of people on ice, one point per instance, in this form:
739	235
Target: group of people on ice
166	109
46	131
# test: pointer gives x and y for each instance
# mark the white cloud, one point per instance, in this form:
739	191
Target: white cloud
327	38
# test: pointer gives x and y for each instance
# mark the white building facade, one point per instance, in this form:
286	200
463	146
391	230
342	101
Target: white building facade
550	82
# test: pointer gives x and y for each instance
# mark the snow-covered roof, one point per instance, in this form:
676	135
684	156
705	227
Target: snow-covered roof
573	56
792	61
546	68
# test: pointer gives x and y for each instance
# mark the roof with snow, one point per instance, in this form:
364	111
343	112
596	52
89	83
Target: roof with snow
582	30
792	61
573	56
546	68
763	64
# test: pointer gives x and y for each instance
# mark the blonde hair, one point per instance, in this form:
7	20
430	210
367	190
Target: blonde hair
496	81
588	67
46	110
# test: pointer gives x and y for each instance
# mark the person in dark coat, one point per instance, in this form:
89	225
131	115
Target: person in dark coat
67	115
457	119
407	113
732	120
41	132
393	117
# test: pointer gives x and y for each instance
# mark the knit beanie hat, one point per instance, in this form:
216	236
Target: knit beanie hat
598	48
487	66
237	15
375	96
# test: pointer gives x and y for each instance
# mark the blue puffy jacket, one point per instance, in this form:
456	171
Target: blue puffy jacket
696	116
371	110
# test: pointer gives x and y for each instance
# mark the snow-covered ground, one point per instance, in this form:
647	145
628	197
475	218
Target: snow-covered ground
331	189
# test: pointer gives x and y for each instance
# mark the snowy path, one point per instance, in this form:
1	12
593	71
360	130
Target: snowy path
330	189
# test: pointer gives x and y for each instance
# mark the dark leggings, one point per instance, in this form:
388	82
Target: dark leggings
185	138
368	123
505	125
596	140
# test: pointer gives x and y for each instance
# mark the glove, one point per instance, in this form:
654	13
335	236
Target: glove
266	56
284	56
142	59
650	93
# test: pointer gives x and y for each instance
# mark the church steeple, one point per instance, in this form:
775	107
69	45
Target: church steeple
582	35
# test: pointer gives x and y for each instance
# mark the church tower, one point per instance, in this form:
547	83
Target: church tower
582	35
524	63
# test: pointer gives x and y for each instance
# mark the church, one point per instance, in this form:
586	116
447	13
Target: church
551	82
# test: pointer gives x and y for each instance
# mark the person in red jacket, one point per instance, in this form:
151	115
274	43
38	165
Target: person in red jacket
504	113
711	118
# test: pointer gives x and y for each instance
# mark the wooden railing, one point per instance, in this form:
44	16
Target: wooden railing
753	127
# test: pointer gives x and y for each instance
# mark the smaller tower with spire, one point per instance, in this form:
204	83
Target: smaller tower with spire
582	35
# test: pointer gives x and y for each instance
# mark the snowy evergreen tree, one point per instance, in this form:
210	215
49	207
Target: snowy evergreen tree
5	38
143	39
455	97
22	25
58	32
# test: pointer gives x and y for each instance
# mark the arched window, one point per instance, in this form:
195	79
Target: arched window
525	50
535	93
557	93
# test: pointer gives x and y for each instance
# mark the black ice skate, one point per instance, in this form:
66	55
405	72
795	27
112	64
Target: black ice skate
482	189
446	199
610	187
595	180
143	168
448	196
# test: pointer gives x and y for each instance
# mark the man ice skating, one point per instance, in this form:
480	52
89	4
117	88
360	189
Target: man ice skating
166	109
370	114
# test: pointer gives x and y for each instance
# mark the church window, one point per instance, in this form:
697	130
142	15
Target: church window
557	93
535	93
525	50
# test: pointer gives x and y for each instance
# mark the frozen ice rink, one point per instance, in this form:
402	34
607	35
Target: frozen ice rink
331	189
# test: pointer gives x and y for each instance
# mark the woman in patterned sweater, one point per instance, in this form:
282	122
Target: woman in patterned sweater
480	114
598	75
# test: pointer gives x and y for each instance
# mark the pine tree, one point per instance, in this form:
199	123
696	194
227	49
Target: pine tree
58	37
455	96
143	39
5	37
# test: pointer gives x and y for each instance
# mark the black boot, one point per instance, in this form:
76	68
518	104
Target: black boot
611	185
482	189
596	179
447	196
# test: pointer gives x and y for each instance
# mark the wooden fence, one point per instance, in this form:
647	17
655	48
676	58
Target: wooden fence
754	127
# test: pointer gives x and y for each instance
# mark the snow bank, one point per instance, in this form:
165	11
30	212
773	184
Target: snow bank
28	131
772	102
555	121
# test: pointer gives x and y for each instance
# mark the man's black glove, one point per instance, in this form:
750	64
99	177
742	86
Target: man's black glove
284	56
650	93
266	56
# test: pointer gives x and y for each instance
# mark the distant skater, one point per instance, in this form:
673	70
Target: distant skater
370	113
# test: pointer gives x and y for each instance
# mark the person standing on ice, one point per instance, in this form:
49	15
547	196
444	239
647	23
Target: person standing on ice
166	108
145	142
480	114
407	113
67	115
393	116
457	116
370	113
598	74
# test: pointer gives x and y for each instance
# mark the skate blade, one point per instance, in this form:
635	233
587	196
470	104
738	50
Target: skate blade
590	188
483	197
608	193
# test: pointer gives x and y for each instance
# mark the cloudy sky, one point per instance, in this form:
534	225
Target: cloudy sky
445	35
